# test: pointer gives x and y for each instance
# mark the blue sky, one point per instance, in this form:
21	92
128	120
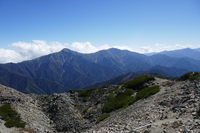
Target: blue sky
91	25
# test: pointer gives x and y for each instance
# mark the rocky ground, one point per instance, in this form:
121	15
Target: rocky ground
171	110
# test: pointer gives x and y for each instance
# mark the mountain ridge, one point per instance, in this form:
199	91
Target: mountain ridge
187	52
68	69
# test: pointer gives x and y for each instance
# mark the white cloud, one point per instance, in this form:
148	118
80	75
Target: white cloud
36	49
9	56
87	47
174	47
147	49
159	45
27	51
178	46
124	48
163	47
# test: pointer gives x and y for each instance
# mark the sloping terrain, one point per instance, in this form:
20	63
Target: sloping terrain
167	111
175	104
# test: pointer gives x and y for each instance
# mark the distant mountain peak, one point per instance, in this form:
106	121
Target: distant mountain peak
68	50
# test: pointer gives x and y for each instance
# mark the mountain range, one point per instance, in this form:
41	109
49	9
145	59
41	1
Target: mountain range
65	70
187	52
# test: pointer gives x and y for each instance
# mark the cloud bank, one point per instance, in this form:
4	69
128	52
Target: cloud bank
162	47
36	49
26	51
87	47
9	56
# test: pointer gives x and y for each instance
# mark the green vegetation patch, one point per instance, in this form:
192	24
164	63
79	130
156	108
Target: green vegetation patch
125	99
137	83
144	93
86	93
71	91
85	110
11	117
115	101
189	76
101	118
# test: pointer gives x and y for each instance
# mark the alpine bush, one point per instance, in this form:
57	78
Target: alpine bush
189	76
116	102
137	83
101	118
11	117
144	93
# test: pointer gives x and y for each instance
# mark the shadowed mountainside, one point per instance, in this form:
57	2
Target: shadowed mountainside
64	70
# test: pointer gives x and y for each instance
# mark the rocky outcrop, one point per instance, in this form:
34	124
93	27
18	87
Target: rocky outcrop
171	110
64	112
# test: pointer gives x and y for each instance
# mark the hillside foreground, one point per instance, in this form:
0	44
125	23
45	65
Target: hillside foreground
172	110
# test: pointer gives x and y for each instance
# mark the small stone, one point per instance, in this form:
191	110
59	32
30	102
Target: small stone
175	124
146	131
164	131
194	113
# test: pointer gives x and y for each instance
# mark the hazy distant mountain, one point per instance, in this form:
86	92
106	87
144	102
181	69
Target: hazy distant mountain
167	71
152	71
198	49
187	52
184	63
128	61
150	54
116	80
64	70
123	60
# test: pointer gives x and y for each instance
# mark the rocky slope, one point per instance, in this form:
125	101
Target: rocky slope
167	111
175	105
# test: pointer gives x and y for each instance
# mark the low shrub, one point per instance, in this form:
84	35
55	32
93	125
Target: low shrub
120	101
86	93
137	83
144	93
71	91
189	76
85	110
101	118
11	117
